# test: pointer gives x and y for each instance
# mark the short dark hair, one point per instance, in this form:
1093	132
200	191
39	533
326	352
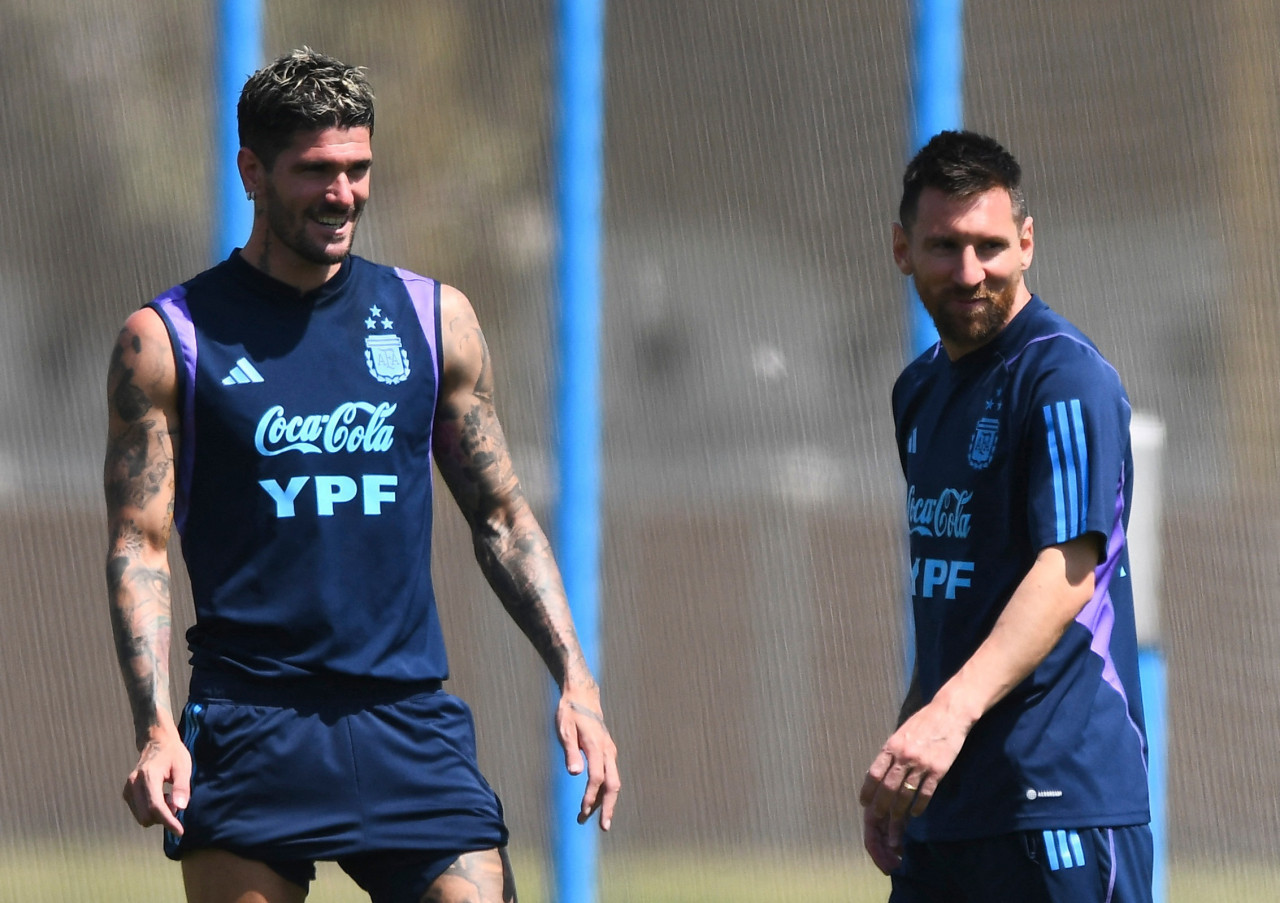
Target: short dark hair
960	165
304	91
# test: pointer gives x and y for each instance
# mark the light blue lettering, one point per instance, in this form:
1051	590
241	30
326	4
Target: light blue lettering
375	491
284	497
944	516
954	580
343	434
331	491
353	426
935	572
273	427
938	572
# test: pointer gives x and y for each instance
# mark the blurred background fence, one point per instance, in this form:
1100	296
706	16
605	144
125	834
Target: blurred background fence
754	325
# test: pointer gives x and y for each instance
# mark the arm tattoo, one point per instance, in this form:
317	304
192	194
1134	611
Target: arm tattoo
137	472
512	549
142	625
130	401
138	464
132	479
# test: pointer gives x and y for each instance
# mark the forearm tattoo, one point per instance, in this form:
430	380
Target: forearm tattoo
141	622
137	473
512	549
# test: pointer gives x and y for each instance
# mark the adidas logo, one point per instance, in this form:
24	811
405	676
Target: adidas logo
243	372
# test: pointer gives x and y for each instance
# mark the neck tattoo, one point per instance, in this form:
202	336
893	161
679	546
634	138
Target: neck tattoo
264	259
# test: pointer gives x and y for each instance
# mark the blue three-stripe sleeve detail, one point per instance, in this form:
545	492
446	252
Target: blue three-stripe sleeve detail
1069	461
1059	505
1082	452
1069	465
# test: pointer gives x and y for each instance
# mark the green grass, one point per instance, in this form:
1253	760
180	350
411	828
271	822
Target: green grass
50	872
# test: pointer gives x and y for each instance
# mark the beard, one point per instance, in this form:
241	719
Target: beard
291	229
973	326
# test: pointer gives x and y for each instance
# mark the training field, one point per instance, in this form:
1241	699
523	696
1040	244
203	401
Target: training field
67	874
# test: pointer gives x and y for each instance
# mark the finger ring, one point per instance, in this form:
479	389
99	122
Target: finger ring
911	787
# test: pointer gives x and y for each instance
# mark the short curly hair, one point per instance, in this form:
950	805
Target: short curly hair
301	92
961	165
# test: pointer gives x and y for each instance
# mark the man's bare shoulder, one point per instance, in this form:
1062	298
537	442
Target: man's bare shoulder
455	307
146	324
466	356
142	360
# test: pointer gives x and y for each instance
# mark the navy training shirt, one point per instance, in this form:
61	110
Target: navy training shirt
304	484
1019	445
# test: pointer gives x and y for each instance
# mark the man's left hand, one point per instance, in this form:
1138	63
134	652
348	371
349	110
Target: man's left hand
582	732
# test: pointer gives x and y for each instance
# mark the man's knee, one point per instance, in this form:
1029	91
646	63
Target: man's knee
480	877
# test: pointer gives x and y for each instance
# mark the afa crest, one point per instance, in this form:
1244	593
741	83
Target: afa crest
982	445
387	360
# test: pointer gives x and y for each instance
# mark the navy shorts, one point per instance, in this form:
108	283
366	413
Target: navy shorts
386	787
1086	865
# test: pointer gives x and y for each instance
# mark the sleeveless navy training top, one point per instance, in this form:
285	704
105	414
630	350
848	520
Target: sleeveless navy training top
304	485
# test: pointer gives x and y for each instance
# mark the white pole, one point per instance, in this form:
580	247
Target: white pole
1147	434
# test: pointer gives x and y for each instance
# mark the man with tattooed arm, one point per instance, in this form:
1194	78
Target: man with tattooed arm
282	410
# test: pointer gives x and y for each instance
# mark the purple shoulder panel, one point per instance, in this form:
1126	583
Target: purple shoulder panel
424	292
172	307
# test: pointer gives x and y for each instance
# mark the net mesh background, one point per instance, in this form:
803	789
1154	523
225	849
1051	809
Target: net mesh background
753	569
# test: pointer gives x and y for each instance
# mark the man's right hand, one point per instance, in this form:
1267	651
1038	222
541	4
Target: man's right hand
882	839
162	761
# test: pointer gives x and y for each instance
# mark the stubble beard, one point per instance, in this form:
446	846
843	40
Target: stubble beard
292	230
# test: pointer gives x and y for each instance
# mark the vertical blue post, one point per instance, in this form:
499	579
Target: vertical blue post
1151	671
937	81
239	54
579	168
937	87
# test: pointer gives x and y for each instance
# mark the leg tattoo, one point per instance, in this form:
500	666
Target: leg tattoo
483	877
